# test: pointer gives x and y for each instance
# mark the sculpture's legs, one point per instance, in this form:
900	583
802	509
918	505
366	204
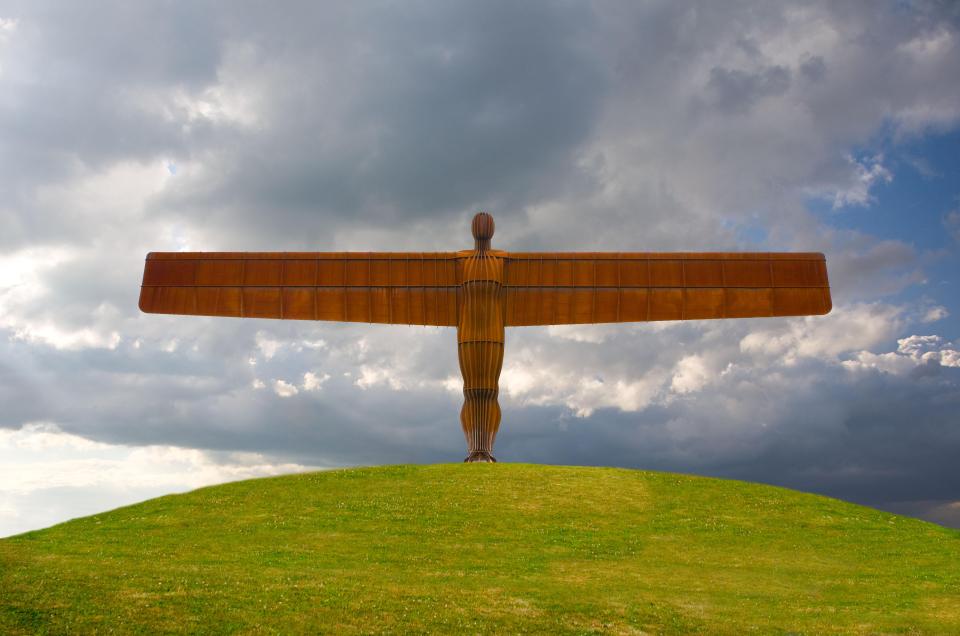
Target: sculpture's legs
480	338
480	364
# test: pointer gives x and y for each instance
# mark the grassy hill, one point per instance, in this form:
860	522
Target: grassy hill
477	548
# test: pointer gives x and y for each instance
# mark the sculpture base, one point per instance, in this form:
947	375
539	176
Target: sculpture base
480	456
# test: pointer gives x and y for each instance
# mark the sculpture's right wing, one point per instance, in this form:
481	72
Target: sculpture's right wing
385	287
582	288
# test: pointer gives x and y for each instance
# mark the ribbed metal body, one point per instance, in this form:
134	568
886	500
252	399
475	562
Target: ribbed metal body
481	291
480	339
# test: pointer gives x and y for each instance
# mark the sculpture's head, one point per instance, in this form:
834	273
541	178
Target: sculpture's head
482	228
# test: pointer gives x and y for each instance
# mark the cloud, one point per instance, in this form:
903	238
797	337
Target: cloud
846	329
47	475
284	389
735	90
314	382
912	352
691	375
581	393
268	346
935	313
862	267
867	173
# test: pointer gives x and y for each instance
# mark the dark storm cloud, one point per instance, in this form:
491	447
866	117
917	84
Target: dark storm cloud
80	63
74	77
734	91
359	113
405	112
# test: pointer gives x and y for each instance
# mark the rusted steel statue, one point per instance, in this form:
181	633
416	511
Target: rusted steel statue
481	292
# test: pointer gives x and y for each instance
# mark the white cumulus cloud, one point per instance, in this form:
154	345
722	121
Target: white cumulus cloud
284	389
313	381
48	475
911	352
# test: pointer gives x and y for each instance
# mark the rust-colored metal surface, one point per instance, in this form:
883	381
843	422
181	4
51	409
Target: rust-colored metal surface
376	287
481	292
480	339
561	289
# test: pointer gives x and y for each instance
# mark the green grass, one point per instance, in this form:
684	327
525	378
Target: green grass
485	548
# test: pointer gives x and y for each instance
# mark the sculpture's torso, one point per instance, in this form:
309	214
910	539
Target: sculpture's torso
480	339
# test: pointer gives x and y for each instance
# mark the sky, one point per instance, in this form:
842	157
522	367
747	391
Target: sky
379	126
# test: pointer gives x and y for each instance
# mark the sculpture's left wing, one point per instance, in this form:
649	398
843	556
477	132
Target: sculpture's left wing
375	287
581	288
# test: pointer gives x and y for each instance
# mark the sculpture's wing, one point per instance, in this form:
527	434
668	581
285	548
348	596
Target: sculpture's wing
580	288
393	288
